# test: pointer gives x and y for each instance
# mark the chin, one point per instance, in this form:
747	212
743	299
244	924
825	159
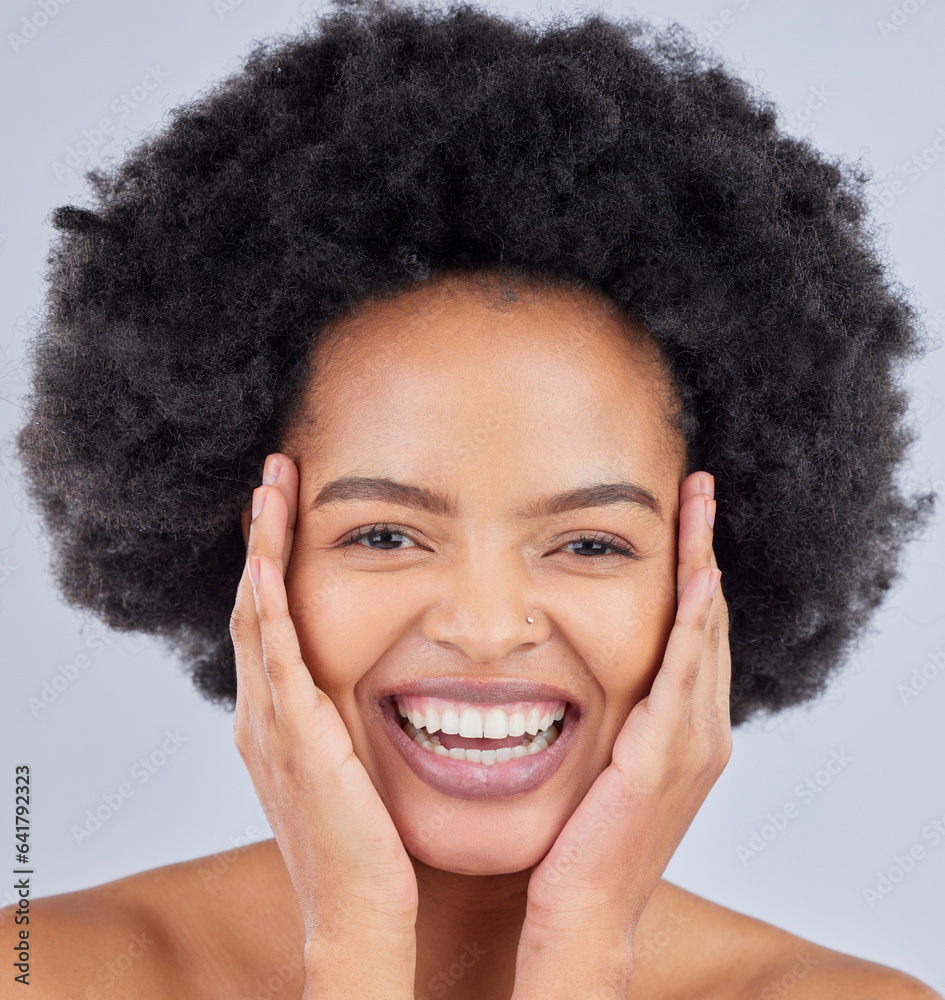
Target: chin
467	838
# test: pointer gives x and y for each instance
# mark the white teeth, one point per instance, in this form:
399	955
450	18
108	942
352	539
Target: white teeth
487	757
470	724
449	721
470	721
531	722
516	724
496	726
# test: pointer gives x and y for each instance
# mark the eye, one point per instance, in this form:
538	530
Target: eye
387	535
601	541
384	532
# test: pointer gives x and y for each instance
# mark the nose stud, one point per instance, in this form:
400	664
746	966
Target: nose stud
529	620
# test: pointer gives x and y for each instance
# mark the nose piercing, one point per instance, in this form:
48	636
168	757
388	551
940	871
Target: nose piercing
529	620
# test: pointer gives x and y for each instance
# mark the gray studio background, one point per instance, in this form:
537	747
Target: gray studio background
862	78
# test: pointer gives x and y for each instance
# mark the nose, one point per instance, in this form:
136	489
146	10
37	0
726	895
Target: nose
484	612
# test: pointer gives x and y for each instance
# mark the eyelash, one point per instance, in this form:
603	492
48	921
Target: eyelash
398	529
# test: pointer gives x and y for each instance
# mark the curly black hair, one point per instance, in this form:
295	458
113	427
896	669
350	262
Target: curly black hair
385	141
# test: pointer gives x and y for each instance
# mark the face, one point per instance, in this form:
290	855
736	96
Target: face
492	410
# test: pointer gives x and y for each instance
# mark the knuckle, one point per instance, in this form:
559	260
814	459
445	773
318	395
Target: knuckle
700	748
274	669
278	648
714	625
267	754
689	680
713	749
694	626
276	621
242	739
238	625
705	762
724	619
291	768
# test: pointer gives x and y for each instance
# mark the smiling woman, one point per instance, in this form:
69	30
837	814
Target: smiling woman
543	522
571	385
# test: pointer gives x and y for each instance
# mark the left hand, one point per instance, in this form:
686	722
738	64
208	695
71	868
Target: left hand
587	894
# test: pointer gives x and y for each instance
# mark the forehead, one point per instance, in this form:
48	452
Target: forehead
554	366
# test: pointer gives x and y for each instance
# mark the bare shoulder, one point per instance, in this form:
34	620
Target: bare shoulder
85	943
203	928
836	977
709	951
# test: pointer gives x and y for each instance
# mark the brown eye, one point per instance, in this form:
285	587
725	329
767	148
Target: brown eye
600	542
385	533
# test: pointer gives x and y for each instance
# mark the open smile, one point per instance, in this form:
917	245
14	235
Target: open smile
507	765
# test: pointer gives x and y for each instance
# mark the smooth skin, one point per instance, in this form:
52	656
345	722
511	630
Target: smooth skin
376	884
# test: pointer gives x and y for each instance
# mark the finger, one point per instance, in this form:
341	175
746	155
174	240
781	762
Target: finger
241	720
703	716
283	474
291	685
253	694
710	724
699	546
293	692
695	535
724	685
698	482
671	694
269	533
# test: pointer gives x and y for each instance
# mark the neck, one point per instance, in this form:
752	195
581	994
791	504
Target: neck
468	928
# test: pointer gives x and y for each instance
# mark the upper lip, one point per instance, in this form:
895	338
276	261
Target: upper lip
483	691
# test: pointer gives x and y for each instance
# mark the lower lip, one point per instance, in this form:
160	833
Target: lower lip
467	780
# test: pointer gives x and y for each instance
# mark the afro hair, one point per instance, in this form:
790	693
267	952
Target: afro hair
388	140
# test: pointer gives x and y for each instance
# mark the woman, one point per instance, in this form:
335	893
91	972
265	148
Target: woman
491	312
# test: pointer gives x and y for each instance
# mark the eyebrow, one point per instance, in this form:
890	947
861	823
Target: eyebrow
353	488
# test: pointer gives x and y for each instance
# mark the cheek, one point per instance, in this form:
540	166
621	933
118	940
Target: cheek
344	621
623	643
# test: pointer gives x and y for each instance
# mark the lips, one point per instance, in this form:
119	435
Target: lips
466	780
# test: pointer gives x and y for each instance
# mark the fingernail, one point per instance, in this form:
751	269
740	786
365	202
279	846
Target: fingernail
707	485
259	498
714	582
253	564
710	512
271	471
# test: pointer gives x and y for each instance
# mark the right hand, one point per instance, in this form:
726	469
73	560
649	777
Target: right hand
349	867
